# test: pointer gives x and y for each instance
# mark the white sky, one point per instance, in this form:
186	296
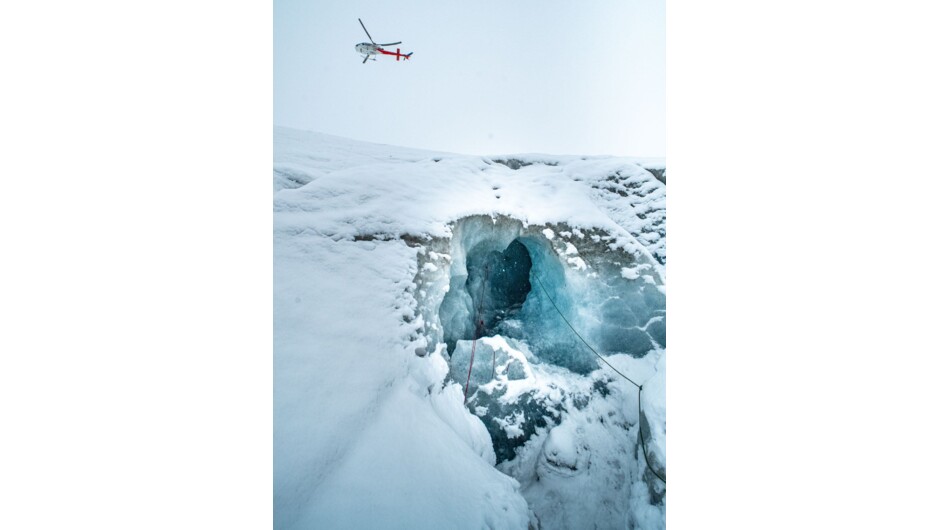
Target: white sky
487	77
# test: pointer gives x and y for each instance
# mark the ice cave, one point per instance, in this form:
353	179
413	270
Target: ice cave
512	287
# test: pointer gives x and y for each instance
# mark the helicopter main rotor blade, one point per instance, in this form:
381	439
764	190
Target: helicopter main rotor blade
389	44
367	31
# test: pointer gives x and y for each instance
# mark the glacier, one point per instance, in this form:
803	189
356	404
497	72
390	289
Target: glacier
394	266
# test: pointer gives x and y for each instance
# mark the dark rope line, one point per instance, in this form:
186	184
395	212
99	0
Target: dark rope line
639	395
579	335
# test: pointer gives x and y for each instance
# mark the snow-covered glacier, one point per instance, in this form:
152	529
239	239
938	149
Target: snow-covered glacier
435	316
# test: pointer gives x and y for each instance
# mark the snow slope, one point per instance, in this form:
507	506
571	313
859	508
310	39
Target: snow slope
370	428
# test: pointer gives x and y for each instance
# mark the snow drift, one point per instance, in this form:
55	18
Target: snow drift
394	266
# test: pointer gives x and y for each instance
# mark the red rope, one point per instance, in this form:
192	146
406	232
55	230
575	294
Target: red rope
476	335
467	386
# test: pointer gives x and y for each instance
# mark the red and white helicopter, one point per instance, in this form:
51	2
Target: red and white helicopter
370	49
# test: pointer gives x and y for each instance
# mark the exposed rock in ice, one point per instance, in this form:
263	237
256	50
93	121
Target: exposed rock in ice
494	360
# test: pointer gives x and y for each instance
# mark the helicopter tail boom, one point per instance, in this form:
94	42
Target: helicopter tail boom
397	54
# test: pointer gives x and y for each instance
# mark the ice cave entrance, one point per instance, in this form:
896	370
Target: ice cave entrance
508	285
496	288
498	285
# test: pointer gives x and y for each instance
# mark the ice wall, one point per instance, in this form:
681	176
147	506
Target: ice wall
499	278
506	278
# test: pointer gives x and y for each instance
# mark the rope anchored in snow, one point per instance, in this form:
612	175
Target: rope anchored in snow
639	397
646	456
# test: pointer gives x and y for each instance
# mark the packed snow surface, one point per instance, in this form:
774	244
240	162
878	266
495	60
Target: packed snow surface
396	270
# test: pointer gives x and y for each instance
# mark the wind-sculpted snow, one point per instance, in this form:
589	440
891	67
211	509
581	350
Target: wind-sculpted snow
389	262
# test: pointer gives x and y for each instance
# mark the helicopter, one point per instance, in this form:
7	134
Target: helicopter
371	48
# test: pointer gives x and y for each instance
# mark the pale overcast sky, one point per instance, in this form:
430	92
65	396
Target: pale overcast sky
487	77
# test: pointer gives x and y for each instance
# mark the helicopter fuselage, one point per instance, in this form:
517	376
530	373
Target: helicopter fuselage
367	48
